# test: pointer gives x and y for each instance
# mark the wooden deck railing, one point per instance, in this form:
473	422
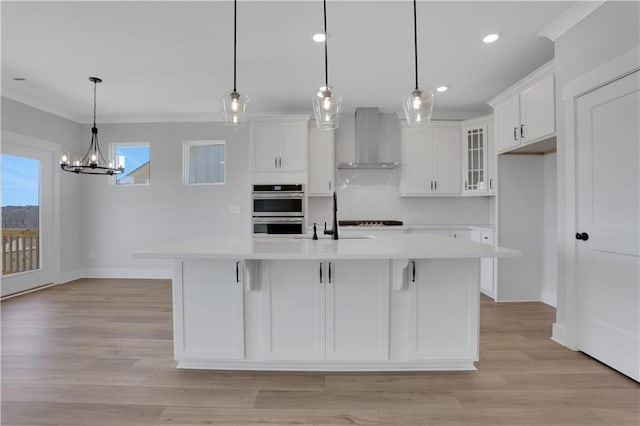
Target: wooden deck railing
20	250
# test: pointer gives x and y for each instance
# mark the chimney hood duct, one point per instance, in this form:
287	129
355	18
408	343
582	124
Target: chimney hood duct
368	142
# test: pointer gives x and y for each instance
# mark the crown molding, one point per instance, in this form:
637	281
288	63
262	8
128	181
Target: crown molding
572	16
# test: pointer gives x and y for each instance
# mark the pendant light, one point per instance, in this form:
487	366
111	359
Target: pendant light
234	105
327	103
418	105
93	162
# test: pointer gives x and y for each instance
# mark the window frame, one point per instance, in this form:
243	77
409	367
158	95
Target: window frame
185	160
113	147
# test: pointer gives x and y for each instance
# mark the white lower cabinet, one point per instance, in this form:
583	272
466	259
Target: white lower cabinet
208	310
293	310
357	315
442	310
333	310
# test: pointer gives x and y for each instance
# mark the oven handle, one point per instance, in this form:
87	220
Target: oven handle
276	195
276	220
278	214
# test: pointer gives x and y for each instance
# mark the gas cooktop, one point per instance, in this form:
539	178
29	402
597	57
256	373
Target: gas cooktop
370	223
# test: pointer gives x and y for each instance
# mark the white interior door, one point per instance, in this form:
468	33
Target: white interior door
28	260
608	213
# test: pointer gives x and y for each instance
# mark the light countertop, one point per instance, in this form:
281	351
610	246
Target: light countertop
380	246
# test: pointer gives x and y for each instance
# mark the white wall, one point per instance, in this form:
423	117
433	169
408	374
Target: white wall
373	194
611	30
520	225
549	231
35	123
128	218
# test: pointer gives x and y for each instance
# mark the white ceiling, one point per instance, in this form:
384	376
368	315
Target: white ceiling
173	60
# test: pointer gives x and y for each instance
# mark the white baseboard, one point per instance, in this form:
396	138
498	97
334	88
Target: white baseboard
129	273
488	293
559	335
451	365
549	298
65	277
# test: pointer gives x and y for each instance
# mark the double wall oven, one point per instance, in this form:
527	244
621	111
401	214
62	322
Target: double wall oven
278	209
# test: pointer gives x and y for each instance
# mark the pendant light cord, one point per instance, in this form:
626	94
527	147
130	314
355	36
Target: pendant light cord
415	41
95	86
326	37
235	41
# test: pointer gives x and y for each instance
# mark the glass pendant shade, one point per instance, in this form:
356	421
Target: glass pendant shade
234	108
418	106
327	104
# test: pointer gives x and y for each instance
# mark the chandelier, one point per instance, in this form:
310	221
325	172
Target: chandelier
93	162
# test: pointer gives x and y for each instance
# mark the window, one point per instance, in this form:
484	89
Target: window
136	160
204	162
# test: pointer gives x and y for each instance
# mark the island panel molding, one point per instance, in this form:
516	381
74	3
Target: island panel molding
260	305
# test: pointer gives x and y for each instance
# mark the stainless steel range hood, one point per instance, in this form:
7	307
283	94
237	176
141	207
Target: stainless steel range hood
368	141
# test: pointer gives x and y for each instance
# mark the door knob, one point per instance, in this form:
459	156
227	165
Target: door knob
582	236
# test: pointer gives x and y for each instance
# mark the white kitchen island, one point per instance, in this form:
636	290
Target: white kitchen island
390	303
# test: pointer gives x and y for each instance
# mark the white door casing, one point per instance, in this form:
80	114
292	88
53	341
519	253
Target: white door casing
608	188
47	154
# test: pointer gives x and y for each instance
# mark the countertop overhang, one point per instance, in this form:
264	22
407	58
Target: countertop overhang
403	246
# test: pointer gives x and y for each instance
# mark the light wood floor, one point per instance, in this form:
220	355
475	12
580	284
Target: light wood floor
99	352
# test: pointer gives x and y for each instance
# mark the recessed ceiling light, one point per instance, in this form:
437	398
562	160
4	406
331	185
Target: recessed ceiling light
319	37
490	38
442	89
19	78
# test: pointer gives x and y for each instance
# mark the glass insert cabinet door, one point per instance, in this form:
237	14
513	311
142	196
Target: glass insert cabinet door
475	159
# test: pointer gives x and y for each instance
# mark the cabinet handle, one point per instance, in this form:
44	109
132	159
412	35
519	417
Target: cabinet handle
320	272
435	185
238	272
491	183
413	274
515	133
280	162
522	131
466	185
432	185
275	162
329	185
329	272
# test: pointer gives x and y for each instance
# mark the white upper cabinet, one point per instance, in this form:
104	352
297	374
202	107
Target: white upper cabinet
321	163
446	156
474	159
278	149
525	113
537	110
431	163
417	161
507	118
264	146
293	139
